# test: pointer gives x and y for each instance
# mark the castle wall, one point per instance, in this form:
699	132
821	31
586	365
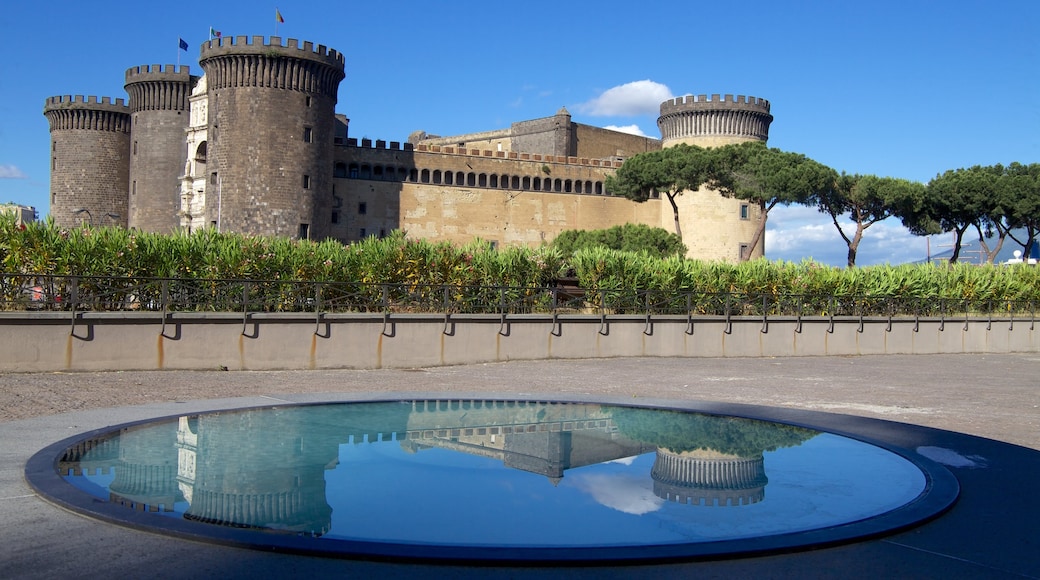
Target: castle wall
159	112
599	143
548	135
90	159
443	193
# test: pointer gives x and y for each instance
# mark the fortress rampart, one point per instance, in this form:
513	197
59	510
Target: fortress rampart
708	122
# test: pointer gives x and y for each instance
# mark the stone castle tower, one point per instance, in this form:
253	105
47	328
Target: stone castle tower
90	159
159	113
715	227
271	114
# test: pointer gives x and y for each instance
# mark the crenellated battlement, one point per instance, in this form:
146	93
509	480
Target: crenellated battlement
158	72
239	62
485	154
81	102
714	120
714	102
258	45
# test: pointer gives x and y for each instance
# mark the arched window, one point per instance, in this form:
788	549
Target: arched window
494	181
460	178
537	183
200	153
503	181
514	183
436	175
449	178
413	175
354	171
377	172
567	186
366	172
599	188
482	180
577	186
471	179
424	177
526	184
340	170
558	186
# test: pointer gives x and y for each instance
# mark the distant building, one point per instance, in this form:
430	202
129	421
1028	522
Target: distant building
23	214
255	146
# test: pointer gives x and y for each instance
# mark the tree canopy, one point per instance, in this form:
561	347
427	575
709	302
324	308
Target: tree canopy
669	171
656	242
867	199
768	177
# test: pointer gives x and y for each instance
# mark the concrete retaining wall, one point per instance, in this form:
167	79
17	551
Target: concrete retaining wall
49	341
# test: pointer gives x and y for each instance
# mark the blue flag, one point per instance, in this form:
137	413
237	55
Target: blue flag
183	45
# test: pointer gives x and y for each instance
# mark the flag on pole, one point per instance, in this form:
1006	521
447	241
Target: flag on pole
213	33
182	45
278	16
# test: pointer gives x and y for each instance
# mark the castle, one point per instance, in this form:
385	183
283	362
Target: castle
255	146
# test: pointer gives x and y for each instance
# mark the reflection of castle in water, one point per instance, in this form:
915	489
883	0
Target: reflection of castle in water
265	468
705	477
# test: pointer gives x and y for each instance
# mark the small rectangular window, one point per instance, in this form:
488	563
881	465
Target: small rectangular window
382	233
744	211
135	147
335	217
213	178
745	251
363	233
303	231
307	101
308	134
306	181
362	208
54	163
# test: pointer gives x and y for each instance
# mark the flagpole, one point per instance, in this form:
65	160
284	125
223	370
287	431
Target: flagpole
178	53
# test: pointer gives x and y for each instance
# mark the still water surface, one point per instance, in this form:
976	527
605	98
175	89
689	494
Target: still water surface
493	473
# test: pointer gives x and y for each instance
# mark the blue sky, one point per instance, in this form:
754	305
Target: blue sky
904	89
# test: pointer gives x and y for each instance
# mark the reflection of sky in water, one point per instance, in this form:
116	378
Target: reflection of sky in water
424	491
379	492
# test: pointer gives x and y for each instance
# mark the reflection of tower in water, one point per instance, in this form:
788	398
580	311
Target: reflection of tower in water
253	478
145	475
705	477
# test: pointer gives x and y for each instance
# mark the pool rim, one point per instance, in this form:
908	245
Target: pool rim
940	493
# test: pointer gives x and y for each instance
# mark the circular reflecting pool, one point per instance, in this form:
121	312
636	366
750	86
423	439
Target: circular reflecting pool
491	480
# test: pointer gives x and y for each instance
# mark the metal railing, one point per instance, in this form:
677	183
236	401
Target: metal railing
28	292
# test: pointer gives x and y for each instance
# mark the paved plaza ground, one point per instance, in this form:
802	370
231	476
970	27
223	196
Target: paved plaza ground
989	396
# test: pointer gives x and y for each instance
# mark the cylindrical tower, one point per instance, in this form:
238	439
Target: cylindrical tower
715	227
270	135
90	160
714	122
159	112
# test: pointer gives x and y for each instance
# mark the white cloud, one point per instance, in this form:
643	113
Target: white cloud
627	100
11	172
630	129
622	492
797	232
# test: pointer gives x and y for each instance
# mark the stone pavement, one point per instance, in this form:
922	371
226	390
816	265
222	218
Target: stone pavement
988	396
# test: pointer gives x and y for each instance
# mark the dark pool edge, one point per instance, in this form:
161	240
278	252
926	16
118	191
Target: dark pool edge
942	489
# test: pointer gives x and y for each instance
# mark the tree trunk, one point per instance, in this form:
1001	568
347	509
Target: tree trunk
854	244
675	213
759	232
